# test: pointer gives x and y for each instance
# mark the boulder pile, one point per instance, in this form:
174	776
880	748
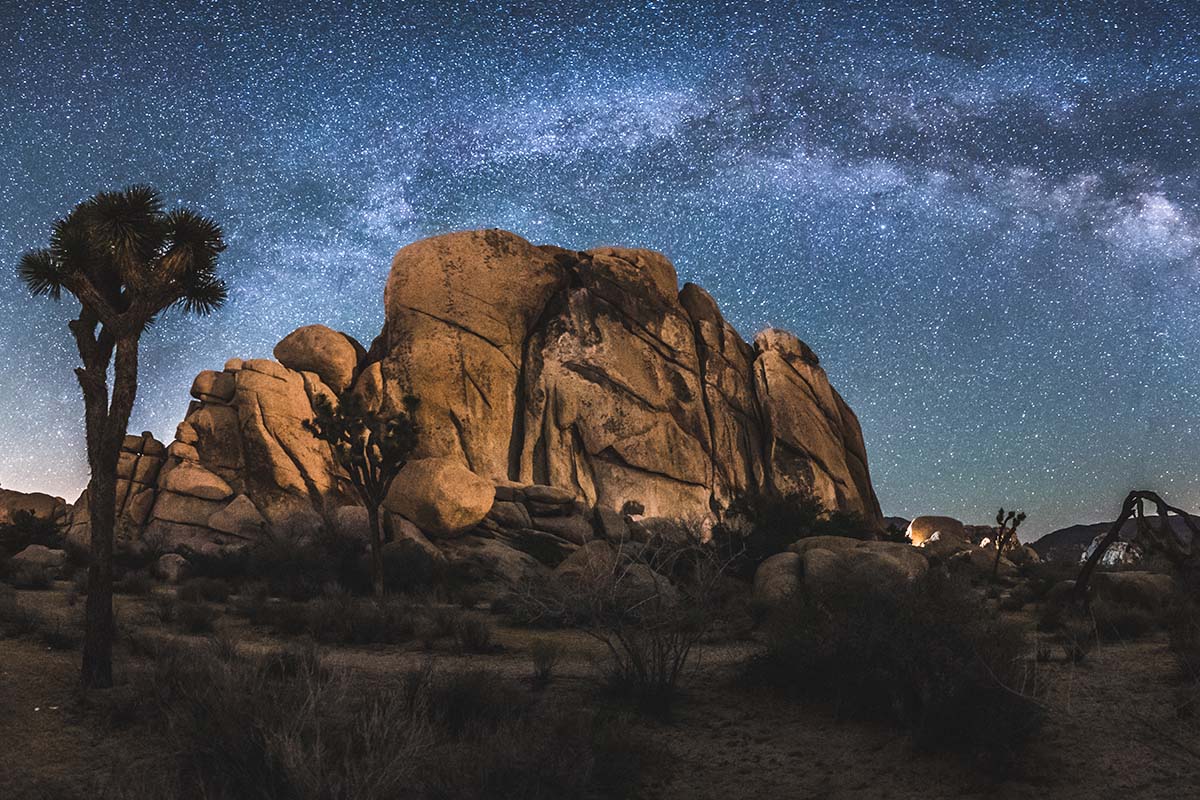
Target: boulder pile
565	397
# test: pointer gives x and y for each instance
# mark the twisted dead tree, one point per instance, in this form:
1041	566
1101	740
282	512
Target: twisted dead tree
1161	537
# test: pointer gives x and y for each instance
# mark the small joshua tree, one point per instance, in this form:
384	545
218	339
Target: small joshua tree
126	260
372	449
1006	529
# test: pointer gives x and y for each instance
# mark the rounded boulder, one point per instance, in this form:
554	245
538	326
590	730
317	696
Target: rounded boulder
324	351
440	496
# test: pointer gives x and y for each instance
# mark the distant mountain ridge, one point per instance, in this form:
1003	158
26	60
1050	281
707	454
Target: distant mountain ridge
1068	544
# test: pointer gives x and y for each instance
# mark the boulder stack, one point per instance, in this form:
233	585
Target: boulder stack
564	396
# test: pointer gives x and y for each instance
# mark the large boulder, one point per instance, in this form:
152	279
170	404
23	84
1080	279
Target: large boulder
38	555
138	470
171	567
600	377
331	355
925	527
490	566
829	564
40	505
1148	590
777	579
441	496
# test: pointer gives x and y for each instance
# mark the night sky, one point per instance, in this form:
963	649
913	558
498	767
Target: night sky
986	221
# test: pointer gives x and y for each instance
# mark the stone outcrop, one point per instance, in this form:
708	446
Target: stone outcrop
39	556
241	462
138	468
821	565
565	397
440	496
42	506
923	529
593	372
334	357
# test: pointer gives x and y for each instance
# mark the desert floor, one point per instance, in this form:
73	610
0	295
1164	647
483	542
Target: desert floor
1110	730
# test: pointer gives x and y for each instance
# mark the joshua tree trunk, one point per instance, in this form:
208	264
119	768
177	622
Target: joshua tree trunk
1114	533
1001	542
376	550
106	427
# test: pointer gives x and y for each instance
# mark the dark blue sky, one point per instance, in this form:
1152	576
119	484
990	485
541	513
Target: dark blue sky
986	220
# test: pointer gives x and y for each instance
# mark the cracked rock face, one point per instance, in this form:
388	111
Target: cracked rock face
593	372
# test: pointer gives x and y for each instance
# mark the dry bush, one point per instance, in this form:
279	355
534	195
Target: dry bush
137	583
1117	621
31	577
338	617
202	589
473	633
283	726
545	656
649	624
194	618
15	619
932	658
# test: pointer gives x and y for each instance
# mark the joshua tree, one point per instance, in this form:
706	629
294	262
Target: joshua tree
372	449
1179	550
125	260
1006	529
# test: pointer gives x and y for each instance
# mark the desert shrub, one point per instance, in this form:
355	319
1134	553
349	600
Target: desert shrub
338	616
648	625
15	619
473	699
223	645
545	655
1119	621
532	603
408	568
227	565
137	583
473	633
194	617
286	617
295	563
1043	576
249	727
931	658
299	565
61	636
25	529
212	590
759	526
251	601
164	607
31	577
297	658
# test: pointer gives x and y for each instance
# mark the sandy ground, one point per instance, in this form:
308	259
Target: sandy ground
1110	730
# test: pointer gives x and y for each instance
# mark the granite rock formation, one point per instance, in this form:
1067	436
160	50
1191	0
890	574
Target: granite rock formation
42	506
583	386
591	371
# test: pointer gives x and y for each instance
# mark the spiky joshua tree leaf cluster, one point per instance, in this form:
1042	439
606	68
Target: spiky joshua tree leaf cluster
372	448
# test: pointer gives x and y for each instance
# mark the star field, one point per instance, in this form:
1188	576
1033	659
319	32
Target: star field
985	219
